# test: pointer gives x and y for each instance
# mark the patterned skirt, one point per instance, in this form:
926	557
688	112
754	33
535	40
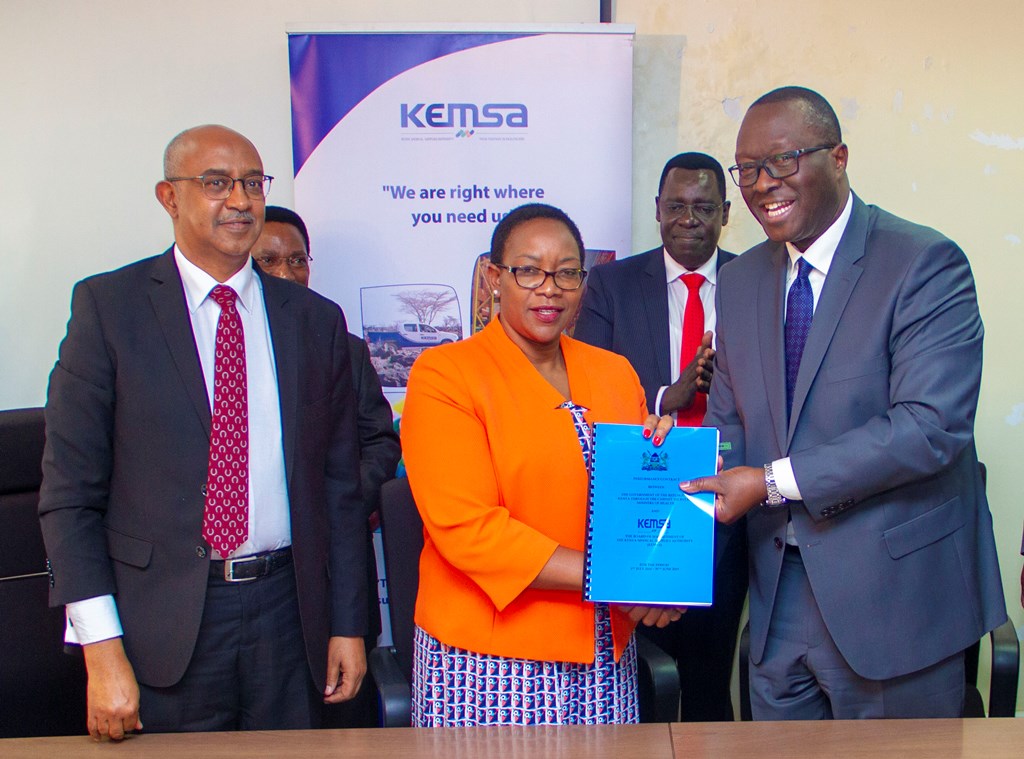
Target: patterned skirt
453	687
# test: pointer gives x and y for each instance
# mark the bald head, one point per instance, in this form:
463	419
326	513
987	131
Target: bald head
185	142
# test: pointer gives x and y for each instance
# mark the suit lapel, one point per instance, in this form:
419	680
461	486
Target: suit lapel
654	296
770	338
284	338
167	295
842	277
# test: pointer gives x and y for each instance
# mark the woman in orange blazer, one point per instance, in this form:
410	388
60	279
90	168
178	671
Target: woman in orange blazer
496	439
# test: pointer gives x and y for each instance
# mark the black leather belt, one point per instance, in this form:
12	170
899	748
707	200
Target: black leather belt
253	567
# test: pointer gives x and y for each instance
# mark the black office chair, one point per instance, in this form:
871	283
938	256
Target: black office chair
42	689
402	532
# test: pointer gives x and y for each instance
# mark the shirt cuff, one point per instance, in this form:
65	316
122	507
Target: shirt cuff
92	620
657	400
785	480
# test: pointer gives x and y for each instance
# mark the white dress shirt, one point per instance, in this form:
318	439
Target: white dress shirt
677	296
95	619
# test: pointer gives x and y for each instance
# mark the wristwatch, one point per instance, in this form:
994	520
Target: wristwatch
775	498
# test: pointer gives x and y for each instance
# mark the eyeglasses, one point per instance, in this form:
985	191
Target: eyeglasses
702	211
220	186
531	277
294	262
777	166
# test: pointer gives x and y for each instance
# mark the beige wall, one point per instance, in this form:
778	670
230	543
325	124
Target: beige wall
929	97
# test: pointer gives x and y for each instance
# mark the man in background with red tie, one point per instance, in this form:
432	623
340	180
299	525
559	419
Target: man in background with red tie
657	309
201	501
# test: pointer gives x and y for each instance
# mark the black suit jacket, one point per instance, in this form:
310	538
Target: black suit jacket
625	310
379	454
127	424
379	447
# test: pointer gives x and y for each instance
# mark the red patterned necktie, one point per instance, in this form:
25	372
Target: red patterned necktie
226	518
693	332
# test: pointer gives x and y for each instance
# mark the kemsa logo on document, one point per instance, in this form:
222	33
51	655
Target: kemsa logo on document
448	115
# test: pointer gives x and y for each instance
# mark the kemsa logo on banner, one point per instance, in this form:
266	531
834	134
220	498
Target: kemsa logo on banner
440	115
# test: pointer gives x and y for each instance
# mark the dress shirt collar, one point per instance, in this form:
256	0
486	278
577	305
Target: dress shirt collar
820	252
199	284
673	270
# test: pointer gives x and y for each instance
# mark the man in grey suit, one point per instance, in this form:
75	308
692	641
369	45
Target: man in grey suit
846	382
639	307
200	502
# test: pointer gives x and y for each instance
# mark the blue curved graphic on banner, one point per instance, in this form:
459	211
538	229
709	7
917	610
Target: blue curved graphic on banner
332	73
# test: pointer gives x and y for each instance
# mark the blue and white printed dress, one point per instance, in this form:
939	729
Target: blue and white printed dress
453	687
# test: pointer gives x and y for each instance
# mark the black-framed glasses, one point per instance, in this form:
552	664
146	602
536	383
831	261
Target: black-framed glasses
777	166
531	277
220	186
294	262
702	211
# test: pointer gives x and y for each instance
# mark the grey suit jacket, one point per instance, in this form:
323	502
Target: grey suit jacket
625	310
894	528
127	440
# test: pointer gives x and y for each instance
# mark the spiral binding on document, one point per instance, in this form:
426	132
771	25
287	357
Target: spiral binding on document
587	595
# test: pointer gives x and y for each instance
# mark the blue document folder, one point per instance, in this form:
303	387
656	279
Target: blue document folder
647	541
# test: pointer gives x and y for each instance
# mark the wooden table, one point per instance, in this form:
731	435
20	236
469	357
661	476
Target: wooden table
881	739
868	739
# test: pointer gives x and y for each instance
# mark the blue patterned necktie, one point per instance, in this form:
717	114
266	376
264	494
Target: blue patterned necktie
799	312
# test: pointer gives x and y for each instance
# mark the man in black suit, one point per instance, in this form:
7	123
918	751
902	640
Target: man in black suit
201	501
642	308
282	250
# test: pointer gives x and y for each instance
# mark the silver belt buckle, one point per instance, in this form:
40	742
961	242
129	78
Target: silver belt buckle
229	569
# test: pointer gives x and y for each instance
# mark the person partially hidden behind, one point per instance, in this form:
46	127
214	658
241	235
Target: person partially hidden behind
282	250
497	435
641	307
201	500
846	382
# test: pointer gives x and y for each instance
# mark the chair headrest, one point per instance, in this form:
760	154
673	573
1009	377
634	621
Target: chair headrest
22	433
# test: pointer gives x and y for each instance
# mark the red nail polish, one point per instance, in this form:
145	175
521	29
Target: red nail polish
647	434
657	440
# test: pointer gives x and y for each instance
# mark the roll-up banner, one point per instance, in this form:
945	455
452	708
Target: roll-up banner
411	144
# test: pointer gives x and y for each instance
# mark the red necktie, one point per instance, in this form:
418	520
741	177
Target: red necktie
226	518
693	331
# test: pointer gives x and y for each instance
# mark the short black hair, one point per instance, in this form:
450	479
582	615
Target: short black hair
820	115
694	162
287	216
526	213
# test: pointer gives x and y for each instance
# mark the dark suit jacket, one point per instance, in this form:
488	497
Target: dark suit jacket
379	453
894	529
625	310
379	447
127	425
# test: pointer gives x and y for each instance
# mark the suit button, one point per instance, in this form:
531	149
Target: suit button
203	490
778	543
201	552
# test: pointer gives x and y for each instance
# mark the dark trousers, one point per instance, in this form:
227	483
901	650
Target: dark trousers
803	676
249	669
703	641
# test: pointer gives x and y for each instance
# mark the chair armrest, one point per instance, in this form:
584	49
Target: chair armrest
394	696
1002	694
659	683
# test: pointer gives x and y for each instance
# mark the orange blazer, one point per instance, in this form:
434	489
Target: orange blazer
498	476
